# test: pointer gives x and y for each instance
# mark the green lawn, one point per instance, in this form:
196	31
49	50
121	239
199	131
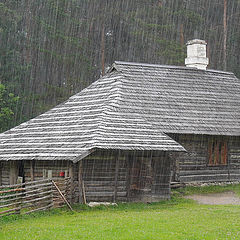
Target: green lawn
175	219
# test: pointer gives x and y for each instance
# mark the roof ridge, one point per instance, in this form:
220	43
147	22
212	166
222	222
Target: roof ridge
114	66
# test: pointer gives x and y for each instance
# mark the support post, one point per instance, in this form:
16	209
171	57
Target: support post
71	181
128	177
116	176
80	181
13	172
148	179
32	165
81	188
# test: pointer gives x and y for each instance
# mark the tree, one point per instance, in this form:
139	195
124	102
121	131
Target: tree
225	36
8	104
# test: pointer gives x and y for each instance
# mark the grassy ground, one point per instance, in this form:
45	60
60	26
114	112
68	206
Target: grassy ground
175	219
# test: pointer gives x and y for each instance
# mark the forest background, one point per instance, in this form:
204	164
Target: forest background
52	49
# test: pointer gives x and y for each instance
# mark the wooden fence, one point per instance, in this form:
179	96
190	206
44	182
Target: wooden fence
33	196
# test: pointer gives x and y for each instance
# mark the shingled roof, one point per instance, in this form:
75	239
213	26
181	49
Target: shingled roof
133	107
182	99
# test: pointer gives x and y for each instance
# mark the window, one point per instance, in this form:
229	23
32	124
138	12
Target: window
47	174
217	152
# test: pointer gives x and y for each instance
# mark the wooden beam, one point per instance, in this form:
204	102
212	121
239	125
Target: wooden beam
71	181
80	181
84	193
13	172
128	177
116	176
32	166
81	188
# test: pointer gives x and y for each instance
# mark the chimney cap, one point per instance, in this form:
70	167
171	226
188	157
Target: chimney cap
196	41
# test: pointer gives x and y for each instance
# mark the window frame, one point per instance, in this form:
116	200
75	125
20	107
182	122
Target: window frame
217	152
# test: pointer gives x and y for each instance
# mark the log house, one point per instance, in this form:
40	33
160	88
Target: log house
127	135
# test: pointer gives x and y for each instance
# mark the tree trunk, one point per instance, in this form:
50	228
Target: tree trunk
103	49
225	36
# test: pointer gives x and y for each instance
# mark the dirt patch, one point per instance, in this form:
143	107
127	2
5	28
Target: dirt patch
216	198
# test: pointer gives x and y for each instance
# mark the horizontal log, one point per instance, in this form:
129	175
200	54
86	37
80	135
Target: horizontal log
103	183
27	197
104	194
10	210
12	190
26	201
36	195
34	205
205	172
13	196
25	184
204	178
36	199
40	209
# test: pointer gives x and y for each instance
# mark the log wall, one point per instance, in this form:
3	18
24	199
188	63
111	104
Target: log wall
5	173
161	165
37	170
126	176
193	165
105	176
99	176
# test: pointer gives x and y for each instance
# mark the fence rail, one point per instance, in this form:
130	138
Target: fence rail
33	196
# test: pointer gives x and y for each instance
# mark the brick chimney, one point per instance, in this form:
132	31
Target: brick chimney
197	54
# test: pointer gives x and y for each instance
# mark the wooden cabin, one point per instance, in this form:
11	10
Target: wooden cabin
115	155
105	175
125	136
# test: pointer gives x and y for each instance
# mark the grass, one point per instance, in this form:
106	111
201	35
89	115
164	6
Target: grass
178	218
